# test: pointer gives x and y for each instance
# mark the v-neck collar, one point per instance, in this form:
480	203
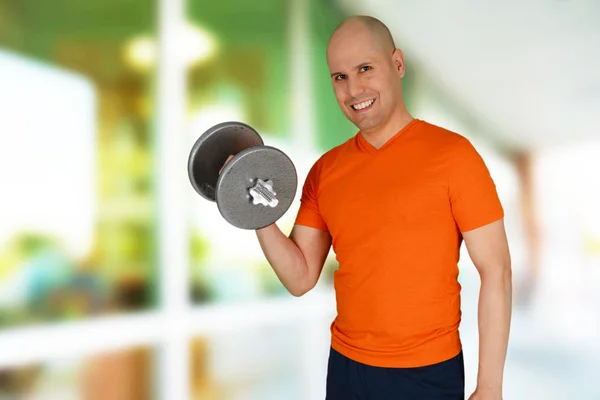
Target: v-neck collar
364	145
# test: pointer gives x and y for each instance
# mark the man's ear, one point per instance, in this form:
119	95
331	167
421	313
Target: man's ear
398	60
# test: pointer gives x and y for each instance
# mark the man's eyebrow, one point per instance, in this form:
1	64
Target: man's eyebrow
362	64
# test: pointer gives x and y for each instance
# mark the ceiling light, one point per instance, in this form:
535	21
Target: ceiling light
190	44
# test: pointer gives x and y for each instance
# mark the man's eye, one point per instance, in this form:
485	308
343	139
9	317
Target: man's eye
340	77
365	68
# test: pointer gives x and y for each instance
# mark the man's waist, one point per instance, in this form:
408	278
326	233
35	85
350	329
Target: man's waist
400	348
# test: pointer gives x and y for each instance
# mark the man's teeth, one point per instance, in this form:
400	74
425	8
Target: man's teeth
362	105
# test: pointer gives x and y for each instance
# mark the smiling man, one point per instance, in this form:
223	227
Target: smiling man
371	100
396	201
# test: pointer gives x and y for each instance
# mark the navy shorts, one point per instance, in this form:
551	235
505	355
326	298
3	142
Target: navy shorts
350	380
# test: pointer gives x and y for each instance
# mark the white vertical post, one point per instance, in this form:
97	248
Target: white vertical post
315	357
303	128
172	367
302	116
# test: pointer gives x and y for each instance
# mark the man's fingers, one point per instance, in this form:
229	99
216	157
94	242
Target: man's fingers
226	161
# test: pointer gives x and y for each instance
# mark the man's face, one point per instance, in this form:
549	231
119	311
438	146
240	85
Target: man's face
365	78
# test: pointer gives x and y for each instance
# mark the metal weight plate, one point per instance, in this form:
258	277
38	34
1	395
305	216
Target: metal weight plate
241	173
210	151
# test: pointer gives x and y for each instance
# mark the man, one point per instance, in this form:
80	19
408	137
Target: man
396	201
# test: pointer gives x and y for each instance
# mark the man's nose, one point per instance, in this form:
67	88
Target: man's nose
355	87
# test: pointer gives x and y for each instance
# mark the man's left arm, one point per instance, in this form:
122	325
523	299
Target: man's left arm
488	248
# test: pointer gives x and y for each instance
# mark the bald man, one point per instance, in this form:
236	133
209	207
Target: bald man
396	201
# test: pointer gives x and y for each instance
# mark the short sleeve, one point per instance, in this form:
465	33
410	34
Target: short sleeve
473	195
309	213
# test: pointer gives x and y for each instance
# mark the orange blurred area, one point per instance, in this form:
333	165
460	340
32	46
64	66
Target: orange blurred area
114	375
118	281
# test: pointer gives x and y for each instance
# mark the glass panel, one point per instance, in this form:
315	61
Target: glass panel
75	158
118	375
260	363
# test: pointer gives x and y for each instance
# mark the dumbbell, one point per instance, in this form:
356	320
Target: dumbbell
255	188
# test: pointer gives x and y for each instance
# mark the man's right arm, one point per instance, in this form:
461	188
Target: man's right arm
298	259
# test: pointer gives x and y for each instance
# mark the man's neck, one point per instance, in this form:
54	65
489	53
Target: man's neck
379	136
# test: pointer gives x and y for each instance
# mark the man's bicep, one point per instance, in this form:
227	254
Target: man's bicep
488	246
314	244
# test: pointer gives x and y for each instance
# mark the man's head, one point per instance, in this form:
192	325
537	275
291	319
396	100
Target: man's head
366	71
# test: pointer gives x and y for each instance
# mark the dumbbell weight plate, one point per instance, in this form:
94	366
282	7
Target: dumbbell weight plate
211	150
239	175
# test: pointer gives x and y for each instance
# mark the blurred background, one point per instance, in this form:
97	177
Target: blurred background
117	281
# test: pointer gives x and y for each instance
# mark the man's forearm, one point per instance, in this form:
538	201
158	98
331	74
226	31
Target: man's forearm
286	259
495	305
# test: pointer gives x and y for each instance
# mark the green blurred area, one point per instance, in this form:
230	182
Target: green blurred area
250	68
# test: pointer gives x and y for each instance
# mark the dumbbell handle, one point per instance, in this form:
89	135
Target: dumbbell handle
262	193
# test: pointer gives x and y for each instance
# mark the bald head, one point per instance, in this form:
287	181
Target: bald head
377	30
366	70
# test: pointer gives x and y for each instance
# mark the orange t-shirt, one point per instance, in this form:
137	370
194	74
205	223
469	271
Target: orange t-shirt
396	215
